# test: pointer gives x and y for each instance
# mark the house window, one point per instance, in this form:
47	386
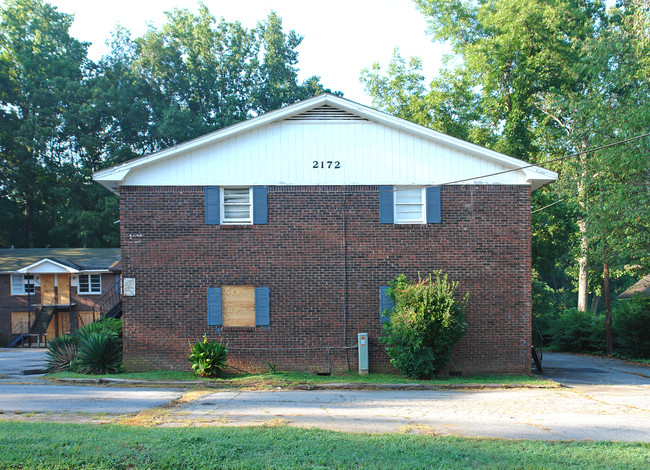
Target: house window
90	284
23	284
237	205
238	306
410	205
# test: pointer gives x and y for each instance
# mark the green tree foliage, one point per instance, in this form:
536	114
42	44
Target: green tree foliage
631	326
63	117
425	324
278	84
42	77
191	76
539	80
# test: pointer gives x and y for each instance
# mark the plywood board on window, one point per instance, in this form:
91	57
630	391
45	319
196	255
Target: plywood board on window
19	322
85	318
238	305
63	289
47	289
52	328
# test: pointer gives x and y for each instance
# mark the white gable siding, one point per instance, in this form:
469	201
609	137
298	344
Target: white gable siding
282	154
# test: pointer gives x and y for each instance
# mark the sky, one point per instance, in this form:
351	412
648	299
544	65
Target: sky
341	37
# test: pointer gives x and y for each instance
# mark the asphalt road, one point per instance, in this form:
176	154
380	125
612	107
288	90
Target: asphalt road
578	370
46	398
513	413
602	399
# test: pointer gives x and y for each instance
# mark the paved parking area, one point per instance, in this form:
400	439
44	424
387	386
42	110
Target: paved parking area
577	369
14	361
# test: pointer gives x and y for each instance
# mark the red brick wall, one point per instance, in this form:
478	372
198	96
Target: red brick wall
483	242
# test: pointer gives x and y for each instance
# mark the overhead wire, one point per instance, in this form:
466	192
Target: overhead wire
531	165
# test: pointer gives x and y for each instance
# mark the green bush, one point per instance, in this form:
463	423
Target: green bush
207	357
61	352
94	349
98	353
631	328
576	331
425	324
109	326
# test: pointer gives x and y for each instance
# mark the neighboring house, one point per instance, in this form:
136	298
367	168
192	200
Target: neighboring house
279	235
640	289
47	292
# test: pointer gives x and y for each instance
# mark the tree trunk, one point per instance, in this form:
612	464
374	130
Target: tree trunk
583	274
583	266
608	304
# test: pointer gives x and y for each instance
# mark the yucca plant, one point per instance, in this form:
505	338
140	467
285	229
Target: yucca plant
98	353
61	352
207	357
109	326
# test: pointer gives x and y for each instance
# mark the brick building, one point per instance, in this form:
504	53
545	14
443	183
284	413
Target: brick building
279	234
47	292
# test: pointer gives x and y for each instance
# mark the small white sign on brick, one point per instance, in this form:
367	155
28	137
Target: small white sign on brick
129	287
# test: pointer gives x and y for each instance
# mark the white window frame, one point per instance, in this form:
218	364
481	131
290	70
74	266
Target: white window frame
90	284
24	282
232	221
423	205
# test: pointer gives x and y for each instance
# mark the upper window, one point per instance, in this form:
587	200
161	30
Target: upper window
410	205
90	284
22	284
237	205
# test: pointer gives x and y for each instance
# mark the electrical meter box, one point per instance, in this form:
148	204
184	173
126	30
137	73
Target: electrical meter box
363	353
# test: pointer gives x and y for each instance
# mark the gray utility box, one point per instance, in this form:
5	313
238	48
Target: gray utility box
363	353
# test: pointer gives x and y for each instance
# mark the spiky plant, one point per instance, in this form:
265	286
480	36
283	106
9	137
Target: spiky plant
98	353
109	326
61	352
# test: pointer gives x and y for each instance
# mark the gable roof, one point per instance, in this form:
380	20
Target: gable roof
641	288
320	110
69	259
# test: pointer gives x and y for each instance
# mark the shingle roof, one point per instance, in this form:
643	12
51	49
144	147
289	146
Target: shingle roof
641	288
78	258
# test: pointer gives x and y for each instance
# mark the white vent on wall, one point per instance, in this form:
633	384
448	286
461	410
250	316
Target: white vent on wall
326	113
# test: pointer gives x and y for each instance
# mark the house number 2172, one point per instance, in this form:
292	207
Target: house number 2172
321	164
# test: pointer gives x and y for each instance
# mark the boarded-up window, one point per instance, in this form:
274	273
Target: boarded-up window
238	305
20	322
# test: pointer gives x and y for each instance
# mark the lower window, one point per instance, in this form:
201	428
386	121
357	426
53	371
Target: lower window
238	305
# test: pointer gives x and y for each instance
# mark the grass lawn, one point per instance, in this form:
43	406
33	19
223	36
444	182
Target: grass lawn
74	446
286	379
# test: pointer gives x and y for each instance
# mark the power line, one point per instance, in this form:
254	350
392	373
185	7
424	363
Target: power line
546	207
594	149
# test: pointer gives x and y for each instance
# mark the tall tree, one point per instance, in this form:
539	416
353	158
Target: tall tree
194	75
278	82
536	80
42	73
